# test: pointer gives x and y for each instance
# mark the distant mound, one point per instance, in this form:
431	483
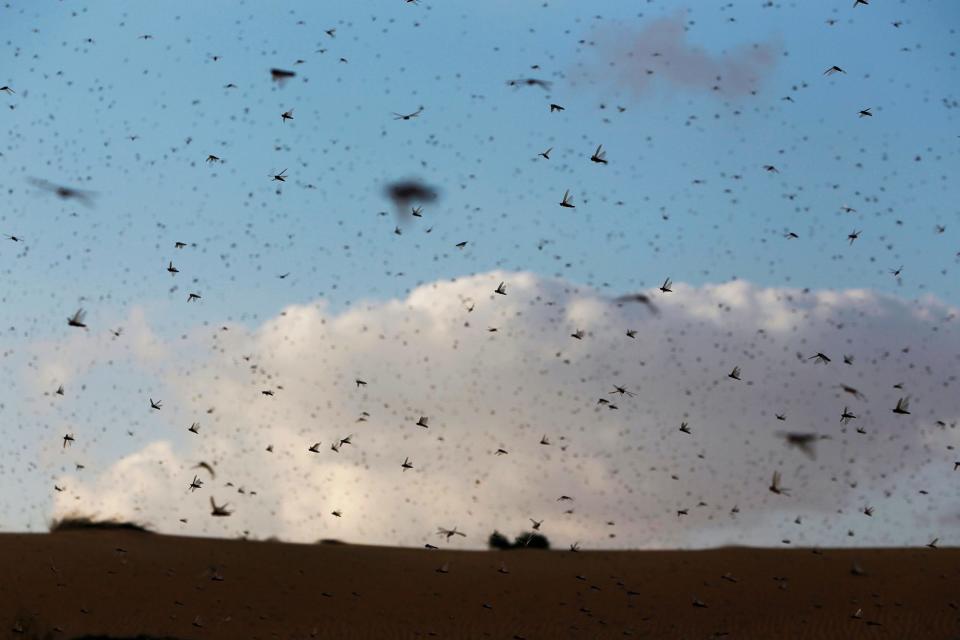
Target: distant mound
331	541
140	637
84	523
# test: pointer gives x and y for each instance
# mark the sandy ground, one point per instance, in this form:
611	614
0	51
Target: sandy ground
70	584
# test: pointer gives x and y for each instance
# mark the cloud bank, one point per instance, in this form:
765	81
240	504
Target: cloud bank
634	478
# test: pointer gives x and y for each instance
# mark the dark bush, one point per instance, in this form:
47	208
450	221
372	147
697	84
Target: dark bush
531	540
498	541
526	540
85	523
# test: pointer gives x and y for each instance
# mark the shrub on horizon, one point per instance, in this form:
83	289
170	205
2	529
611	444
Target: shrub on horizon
526	540
86	523
498	541
531	540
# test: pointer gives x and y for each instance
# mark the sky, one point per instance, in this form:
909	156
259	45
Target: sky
735	166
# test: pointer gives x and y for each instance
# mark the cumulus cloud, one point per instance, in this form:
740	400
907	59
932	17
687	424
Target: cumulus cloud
628	469
661	52
62	362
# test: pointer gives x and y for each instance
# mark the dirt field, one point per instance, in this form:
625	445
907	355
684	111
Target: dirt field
122	584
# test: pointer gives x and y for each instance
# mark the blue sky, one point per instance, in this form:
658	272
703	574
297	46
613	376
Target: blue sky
638	219
477	141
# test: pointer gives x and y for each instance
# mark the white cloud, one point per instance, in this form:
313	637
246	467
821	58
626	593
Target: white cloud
482	390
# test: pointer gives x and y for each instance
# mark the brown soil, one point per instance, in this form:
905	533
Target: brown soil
123	584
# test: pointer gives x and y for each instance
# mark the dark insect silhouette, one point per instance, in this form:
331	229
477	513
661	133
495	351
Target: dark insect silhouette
219	510
530	82
775	486
77	319
406	193
280	76
408	116
449	533
804	442
903	406
599	156
65	193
